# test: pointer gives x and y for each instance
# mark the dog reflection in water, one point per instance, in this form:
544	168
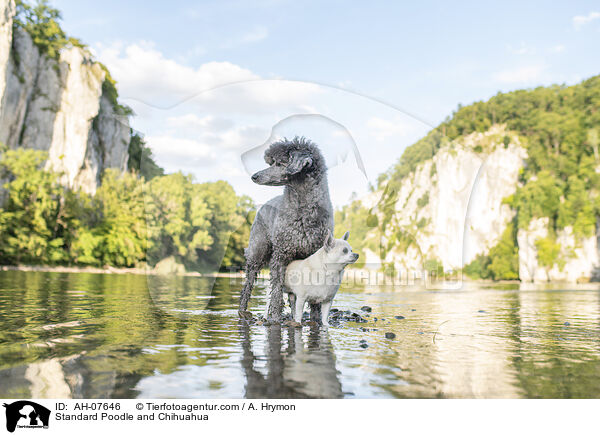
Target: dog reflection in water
296	366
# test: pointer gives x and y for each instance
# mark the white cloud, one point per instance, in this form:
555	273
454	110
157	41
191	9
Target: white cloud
215	132
519	75
581	20
172	151
206	135
143	73
194	122
382	129
191	143
233	168
242	137
204	160
558	48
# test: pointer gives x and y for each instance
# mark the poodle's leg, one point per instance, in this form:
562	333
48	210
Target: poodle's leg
315	313
277	280
257	255
292	302
251	272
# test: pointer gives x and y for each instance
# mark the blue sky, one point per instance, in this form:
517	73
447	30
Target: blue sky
422	58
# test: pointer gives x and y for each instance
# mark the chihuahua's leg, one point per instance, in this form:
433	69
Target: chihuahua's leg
292	302
299	309
268	301
325	307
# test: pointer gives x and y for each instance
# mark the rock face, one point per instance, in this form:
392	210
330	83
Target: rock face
529	268
58	106
578	257
7	10
450	209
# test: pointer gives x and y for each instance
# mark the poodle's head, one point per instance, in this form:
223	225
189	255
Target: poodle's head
290	162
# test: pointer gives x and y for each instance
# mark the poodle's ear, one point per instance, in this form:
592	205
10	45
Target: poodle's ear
298	161
346	235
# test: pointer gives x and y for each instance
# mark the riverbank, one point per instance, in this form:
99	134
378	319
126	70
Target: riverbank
111	270
359	277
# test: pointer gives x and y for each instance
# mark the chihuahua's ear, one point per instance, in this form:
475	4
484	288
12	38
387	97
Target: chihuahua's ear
329	241
298	161
346	235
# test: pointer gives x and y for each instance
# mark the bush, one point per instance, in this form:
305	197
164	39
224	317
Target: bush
548	252
35	220
140	159
128	220
502	262
505	256
41	22
478	268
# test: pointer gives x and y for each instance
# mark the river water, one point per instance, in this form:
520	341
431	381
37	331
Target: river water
131	336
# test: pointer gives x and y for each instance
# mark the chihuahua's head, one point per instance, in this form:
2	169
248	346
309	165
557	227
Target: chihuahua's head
338	251
291	161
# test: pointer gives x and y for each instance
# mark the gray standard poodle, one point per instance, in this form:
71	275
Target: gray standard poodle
291	226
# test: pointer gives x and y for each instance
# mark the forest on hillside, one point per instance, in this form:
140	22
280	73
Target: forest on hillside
130	221
137	218
560	129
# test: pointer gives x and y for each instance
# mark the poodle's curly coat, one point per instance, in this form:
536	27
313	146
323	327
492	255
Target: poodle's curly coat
290	226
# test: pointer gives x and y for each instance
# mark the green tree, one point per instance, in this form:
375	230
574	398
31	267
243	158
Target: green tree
140	159
115	233
502	261
538	198
359	221
238	240
225	216
34	220
178	220
479	267
505	256
41	22
549	253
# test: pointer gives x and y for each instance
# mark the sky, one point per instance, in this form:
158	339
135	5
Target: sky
213	82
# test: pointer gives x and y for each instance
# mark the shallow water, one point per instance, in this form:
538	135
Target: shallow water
128	336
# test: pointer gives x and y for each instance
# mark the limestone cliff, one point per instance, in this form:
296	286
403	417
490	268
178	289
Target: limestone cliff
577	260
451	208
58	105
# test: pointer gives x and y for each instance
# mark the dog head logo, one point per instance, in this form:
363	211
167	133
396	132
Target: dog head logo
26	414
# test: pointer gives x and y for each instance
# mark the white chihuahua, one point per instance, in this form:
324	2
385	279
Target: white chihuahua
316	279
